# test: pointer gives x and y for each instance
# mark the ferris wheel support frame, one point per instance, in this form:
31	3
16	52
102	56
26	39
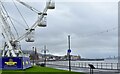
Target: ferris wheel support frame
12	60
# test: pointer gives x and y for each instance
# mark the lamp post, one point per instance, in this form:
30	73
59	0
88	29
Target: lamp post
44	51
69	51
33	56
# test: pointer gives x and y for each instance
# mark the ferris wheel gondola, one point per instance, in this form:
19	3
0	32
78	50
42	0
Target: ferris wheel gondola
30	37
43	22
51	5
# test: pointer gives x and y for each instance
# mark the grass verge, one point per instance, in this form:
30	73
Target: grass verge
39	70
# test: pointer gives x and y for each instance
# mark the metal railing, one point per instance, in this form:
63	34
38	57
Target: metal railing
106	66
97	65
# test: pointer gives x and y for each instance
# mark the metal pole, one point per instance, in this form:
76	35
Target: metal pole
69	41
111	65
90	70
33	57
69	53
45	54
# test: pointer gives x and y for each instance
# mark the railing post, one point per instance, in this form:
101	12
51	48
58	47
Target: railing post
82	65
101	65
117	66
97	65
106	65
111	65
85	64
79	64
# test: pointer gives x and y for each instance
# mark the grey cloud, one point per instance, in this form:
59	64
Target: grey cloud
77	19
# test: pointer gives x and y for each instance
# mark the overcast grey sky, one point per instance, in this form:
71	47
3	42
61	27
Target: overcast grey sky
86	21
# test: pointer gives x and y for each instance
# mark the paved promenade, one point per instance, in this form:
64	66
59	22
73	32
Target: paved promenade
105	72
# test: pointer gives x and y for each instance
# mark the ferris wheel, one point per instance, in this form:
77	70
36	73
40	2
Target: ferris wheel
12	43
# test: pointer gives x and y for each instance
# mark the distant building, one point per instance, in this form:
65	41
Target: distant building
38	56
32	54
73	57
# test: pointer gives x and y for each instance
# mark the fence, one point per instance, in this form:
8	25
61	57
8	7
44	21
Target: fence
106	66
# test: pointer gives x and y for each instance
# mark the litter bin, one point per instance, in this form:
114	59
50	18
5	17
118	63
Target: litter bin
42	64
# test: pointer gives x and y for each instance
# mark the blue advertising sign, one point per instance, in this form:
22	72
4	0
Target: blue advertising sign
12	63
69	51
